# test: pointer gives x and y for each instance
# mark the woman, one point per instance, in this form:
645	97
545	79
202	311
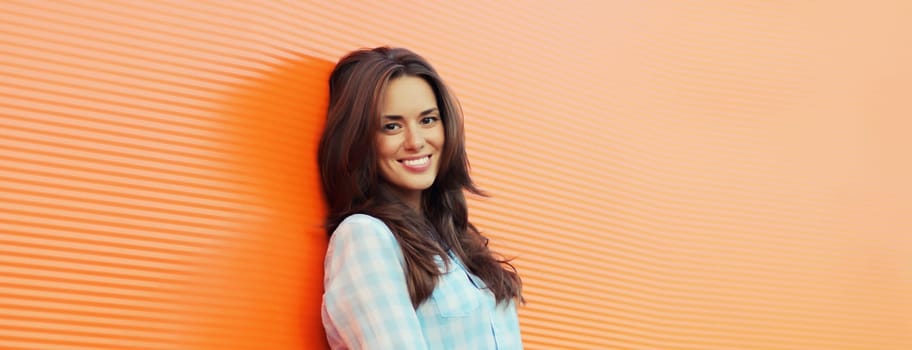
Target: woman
405	269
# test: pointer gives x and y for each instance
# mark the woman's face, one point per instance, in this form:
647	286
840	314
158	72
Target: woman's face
410	138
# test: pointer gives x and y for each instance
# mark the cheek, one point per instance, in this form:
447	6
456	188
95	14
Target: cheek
440	136
386	147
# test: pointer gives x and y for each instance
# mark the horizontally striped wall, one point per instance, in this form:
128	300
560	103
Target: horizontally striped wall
668	175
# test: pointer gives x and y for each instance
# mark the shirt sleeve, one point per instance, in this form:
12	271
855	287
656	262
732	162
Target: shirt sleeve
366	304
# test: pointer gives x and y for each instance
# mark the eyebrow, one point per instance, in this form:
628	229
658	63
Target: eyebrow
423	113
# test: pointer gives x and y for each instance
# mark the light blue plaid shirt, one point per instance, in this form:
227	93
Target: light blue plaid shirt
366	303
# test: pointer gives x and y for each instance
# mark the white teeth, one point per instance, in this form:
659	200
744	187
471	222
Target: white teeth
417	162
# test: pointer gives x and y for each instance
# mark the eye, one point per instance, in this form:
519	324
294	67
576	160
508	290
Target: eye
391	127
430	120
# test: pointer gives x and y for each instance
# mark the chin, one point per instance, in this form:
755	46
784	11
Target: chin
422	187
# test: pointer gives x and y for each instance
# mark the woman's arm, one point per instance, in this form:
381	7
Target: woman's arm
366	304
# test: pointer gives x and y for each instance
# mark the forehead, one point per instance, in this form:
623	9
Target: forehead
407	95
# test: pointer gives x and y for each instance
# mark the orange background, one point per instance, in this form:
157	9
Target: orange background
669	175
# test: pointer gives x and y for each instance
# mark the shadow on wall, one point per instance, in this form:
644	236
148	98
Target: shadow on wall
261	287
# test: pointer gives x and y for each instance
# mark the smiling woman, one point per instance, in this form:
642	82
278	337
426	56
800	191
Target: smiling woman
405	269
409	146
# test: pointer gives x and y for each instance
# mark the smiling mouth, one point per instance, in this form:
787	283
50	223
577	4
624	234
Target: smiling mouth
419	162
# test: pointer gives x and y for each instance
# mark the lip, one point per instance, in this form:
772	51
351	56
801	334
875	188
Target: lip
413	168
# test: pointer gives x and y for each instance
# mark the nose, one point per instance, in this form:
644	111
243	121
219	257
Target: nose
414	139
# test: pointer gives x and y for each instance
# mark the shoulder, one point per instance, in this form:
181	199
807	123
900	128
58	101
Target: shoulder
362	219
362	242
364	230
362	224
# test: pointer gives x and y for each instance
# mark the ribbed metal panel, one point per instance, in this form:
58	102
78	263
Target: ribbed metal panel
157	181
668	175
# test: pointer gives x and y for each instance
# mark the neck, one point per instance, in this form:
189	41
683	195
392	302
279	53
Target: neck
414	201
410	198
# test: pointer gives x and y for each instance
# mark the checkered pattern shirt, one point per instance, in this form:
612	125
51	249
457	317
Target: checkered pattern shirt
366	303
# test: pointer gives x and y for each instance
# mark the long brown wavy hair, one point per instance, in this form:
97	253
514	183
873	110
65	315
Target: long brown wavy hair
352	183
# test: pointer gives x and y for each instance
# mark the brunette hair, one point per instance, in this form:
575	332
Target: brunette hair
352	183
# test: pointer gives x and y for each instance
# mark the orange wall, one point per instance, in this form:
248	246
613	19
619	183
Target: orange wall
721	175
